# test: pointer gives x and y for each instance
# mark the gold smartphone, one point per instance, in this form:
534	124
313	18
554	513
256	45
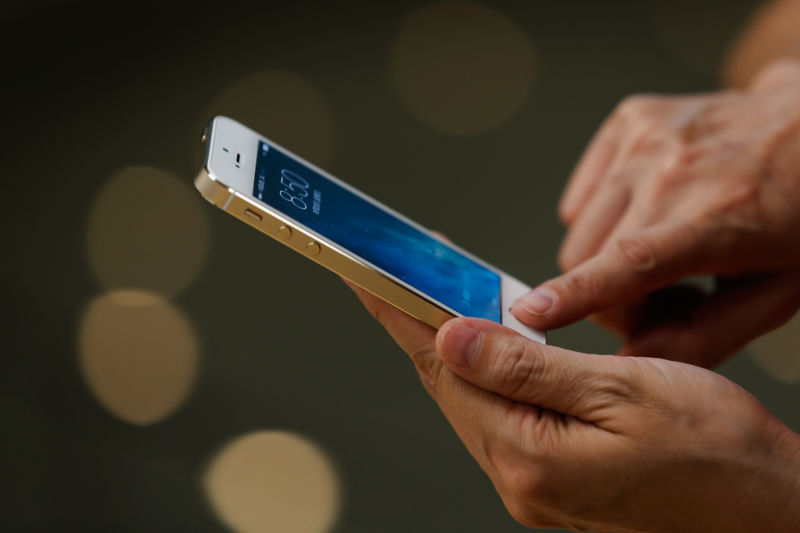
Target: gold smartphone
315	214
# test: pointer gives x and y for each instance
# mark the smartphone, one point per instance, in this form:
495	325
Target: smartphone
315	214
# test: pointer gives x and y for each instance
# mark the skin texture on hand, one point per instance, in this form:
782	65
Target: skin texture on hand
678	186
589	442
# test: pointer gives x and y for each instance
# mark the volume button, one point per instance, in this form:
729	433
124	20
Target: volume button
312	249
253	215
284	233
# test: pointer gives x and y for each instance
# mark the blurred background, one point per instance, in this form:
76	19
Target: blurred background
165	367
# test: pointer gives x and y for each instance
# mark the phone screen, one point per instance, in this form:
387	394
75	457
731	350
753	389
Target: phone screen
376	236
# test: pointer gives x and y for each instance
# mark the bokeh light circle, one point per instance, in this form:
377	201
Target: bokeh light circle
147	229
138	355
778	352
462	67
284	107
273	481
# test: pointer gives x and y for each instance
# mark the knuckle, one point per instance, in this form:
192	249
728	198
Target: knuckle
429	367
421	357
677	167
718	237
649	137
518	366
584	282
696	121
526	483
743	204
637	252
637	105
625	383
525	480
621	383
675	174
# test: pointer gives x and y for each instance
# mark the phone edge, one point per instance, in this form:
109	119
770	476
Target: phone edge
334	259
300	241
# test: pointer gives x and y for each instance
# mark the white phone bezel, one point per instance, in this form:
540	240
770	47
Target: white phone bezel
239	178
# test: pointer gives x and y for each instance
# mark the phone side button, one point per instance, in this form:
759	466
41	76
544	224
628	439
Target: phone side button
253	215
312	249
284	233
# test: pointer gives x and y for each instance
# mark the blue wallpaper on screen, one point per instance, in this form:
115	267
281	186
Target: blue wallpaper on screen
375	235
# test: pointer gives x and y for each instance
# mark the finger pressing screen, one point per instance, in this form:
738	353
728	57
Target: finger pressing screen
628	269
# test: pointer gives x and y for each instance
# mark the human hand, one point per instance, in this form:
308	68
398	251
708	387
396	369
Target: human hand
589	442
673	187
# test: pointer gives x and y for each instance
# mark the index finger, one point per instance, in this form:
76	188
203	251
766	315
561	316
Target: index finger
626	269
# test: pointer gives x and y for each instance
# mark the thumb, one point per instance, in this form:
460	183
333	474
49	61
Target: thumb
627	269
502	361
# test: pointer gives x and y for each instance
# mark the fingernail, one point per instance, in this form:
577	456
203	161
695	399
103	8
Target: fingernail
538	302
460	345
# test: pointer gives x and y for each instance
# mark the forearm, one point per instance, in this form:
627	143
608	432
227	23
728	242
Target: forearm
773	32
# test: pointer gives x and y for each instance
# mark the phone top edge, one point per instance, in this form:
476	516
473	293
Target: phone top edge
237	186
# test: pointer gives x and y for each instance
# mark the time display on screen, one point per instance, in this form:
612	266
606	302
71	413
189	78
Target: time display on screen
293	189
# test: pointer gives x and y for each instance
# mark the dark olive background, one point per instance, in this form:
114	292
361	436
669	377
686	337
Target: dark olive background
90	87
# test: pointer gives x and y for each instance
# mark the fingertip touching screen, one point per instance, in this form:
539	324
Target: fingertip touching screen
375	235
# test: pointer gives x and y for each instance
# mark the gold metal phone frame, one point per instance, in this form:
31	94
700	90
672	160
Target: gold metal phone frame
286	231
